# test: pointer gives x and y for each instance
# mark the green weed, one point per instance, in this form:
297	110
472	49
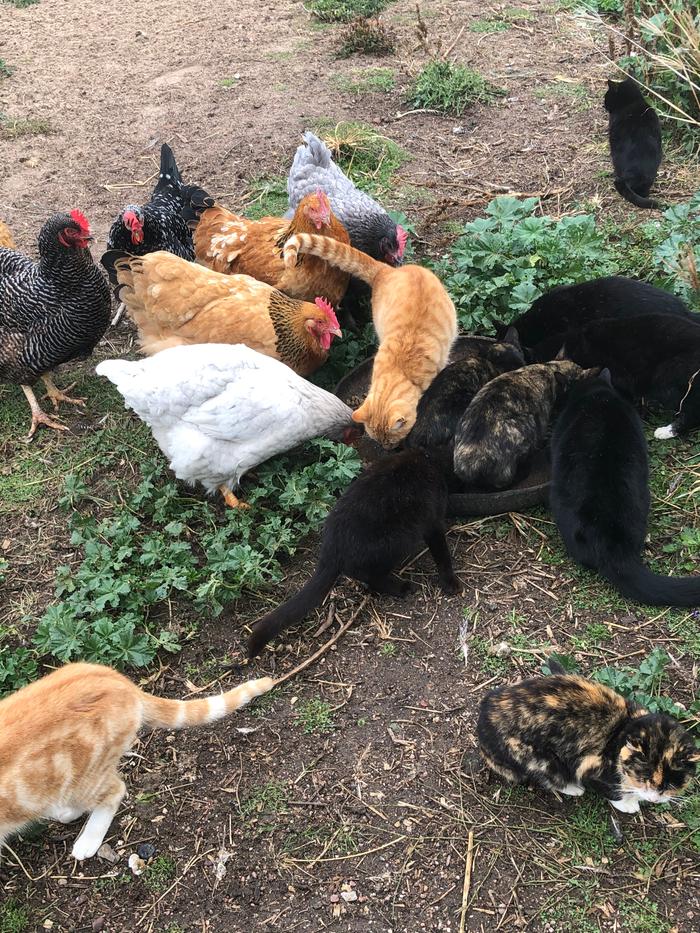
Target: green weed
578	94
572	913
315	716
266	197
5	70
643	917
369	158
366	37
14	918
489	25
233	81
643	684
17	127
343	11
269	798
367	81
489	663
21	4
451	88
387	649
159	874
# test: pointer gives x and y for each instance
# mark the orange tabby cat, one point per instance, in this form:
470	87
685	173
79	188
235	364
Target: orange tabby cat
61	739
416	324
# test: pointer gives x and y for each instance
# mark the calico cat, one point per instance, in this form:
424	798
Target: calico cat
634	133
61	739
543	327
508	421
600	493
393	509
569	734
655	357
415	321
451	391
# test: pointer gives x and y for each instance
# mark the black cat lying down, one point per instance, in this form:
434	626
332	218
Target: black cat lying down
600	494
448	395
544	326
393	509
569	734
654	357
508	421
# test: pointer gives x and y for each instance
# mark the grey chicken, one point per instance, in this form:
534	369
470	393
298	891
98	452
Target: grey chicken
370	227
51	311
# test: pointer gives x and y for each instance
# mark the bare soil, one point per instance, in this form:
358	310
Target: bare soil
371	824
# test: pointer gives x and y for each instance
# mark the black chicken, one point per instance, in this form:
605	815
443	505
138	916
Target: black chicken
51	311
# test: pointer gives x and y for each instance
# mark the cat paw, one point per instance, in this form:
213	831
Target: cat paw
85	847
626	805
450	586
665	433
64	814
572	790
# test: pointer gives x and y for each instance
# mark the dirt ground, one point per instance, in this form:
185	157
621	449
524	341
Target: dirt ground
379	816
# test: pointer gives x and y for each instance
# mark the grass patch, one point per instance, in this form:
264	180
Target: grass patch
643	917
268	798
366	37
369	158
158	875
367	81
572	913
14	918
21	4
266	197
344	11
489	25
451	88
5	70
17	127
315	716
233	81
578	94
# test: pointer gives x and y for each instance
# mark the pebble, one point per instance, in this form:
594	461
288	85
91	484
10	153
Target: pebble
98	924
348	896
107	853
146	851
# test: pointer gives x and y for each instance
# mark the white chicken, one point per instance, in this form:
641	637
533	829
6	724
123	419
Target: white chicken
218	410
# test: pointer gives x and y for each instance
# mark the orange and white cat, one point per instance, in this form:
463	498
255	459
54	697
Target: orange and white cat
61	739
416	324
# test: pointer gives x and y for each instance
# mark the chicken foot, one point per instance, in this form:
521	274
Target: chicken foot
56	395
39	416
232	501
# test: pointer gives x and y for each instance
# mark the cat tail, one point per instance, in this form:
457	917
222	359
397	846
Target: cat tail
294	610
634	580
181	714
335	254
628	194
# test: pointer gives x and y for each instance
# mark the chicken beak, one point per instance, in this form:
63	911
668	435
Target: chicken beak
336	331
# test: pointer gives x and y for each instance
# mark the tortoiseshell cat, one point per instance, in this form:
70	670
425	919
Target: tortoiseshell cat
393	509
569	734
451	391
508	421
61	739
415	321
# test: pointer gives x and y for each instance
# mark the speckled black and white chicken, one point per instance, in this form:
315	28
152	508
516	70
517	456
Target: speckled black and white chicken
51	311
368	224
218	410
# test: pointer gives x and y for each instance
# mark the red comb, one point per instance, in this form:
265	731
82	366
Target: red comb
81	220
323	197
402	237
326	306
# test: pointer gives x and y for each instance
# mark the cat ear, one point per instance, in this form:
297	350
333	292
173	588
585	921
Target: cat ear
561	355
358	415
512	337
398	424
604	375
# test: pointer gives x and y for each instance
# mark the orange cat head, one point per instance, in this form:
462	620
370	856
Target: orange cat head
387	424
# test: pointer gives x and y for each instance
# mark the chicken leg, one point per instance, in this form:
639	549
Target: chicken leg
232	501
39	416
55	394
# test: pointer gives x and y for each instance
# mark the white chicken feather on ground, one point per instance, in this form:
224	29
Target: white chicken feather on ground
218	410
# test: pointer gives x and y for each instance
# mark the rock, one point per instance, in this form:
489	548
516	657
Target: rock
146	851
107	853
348	896
98	924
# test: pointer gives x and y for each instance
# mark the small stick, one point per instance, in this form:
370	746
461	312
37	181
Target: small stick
467	881
324	648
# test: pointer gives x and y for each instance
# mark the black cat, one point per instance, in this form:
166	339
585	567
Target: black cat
543	327
654	357
635	141
448	395
393	509
600	493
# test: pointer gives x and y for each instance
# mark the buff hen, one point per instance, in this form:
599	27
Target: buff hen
6	240
217	411
174	302
227	242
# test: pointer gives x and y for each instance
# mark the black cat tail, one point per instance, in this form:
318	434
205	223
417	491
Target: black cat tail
628	194
294	609
635	581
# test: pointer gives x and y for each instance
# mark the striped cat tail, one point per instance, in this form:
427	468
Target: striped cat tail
334	253
181	714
